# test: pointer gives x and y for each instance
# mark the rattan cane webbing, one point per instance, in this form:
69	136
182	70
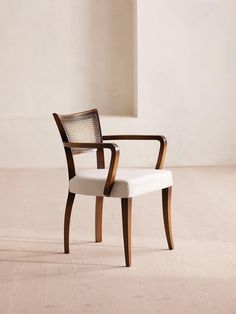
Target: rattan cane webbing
84	129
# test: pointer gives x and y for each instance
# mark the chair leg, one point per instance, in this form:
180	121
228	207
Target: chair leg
98	219
166	204
126	204
69	204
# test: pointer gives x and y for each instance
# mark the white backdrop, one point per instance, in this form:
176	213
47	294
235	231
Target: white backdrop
186	76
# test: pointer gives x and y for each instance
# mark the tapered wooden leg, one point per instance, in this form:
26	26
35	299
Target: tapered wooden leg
126	204
166	204
69	204
98	219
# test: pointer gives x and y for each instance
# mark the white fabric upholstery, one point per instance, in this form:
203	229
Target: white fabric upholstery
129	182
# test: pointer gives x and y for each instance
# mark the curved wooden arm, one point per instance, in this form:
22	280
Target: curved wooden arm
115	153
160	138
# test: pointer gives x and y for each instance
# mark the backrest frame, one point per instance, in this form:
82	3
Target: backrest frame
75	117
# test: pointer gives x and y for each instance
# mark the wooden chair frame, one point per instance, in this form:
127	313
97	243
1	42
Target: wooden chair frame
126	203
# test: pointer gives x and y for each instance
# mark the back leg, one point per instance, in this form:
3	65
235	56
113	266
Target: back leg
98	218
126	205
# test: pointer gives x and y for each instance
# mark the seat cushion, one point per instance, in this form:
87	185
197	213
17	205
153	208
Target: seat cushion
129	182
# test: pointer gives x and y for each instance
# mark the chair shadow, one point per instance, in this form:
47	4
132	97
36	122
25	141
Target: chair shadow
30	256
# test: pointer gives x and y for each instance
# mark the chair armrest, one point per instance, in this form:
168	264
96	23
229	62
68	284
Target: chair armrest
160	138
115	153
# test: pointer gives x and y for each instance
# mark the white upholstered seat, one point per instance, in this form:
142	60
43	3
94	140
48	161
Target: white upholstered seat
129	182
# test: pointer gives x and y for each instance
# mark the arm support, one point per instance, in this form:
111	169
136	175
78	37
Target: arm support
159	138
115	153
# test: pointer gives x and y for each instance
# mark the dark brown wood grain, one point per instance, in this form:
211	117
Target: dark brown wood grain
98	218
99	200
166	204
126	204
69	204
68	152
159	138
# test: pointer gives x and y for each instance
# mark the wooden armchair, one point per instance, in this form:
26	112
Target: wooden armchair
81	133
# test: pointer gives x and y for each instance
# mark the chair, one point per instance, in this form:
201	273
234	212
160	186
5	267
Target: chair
81	133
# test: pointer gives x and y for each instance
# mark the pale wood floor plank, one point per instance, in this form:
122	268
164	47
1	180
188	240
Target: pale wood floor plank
199	276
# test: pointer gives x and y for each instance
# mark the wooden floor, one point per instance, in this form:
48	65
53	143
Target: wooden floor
199	276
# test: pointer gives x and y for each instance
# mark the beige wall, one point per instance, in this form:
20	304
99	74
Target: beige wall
186	74
64	55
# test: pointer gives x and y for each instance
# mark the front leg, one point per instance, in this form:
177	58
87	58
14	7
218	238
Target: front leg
166	204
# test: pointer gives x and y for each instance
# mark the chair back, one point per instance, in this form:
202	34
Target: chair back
81	127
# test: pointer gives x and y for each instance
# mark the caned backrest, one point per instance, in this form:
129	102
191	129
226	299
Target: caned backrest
82	127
